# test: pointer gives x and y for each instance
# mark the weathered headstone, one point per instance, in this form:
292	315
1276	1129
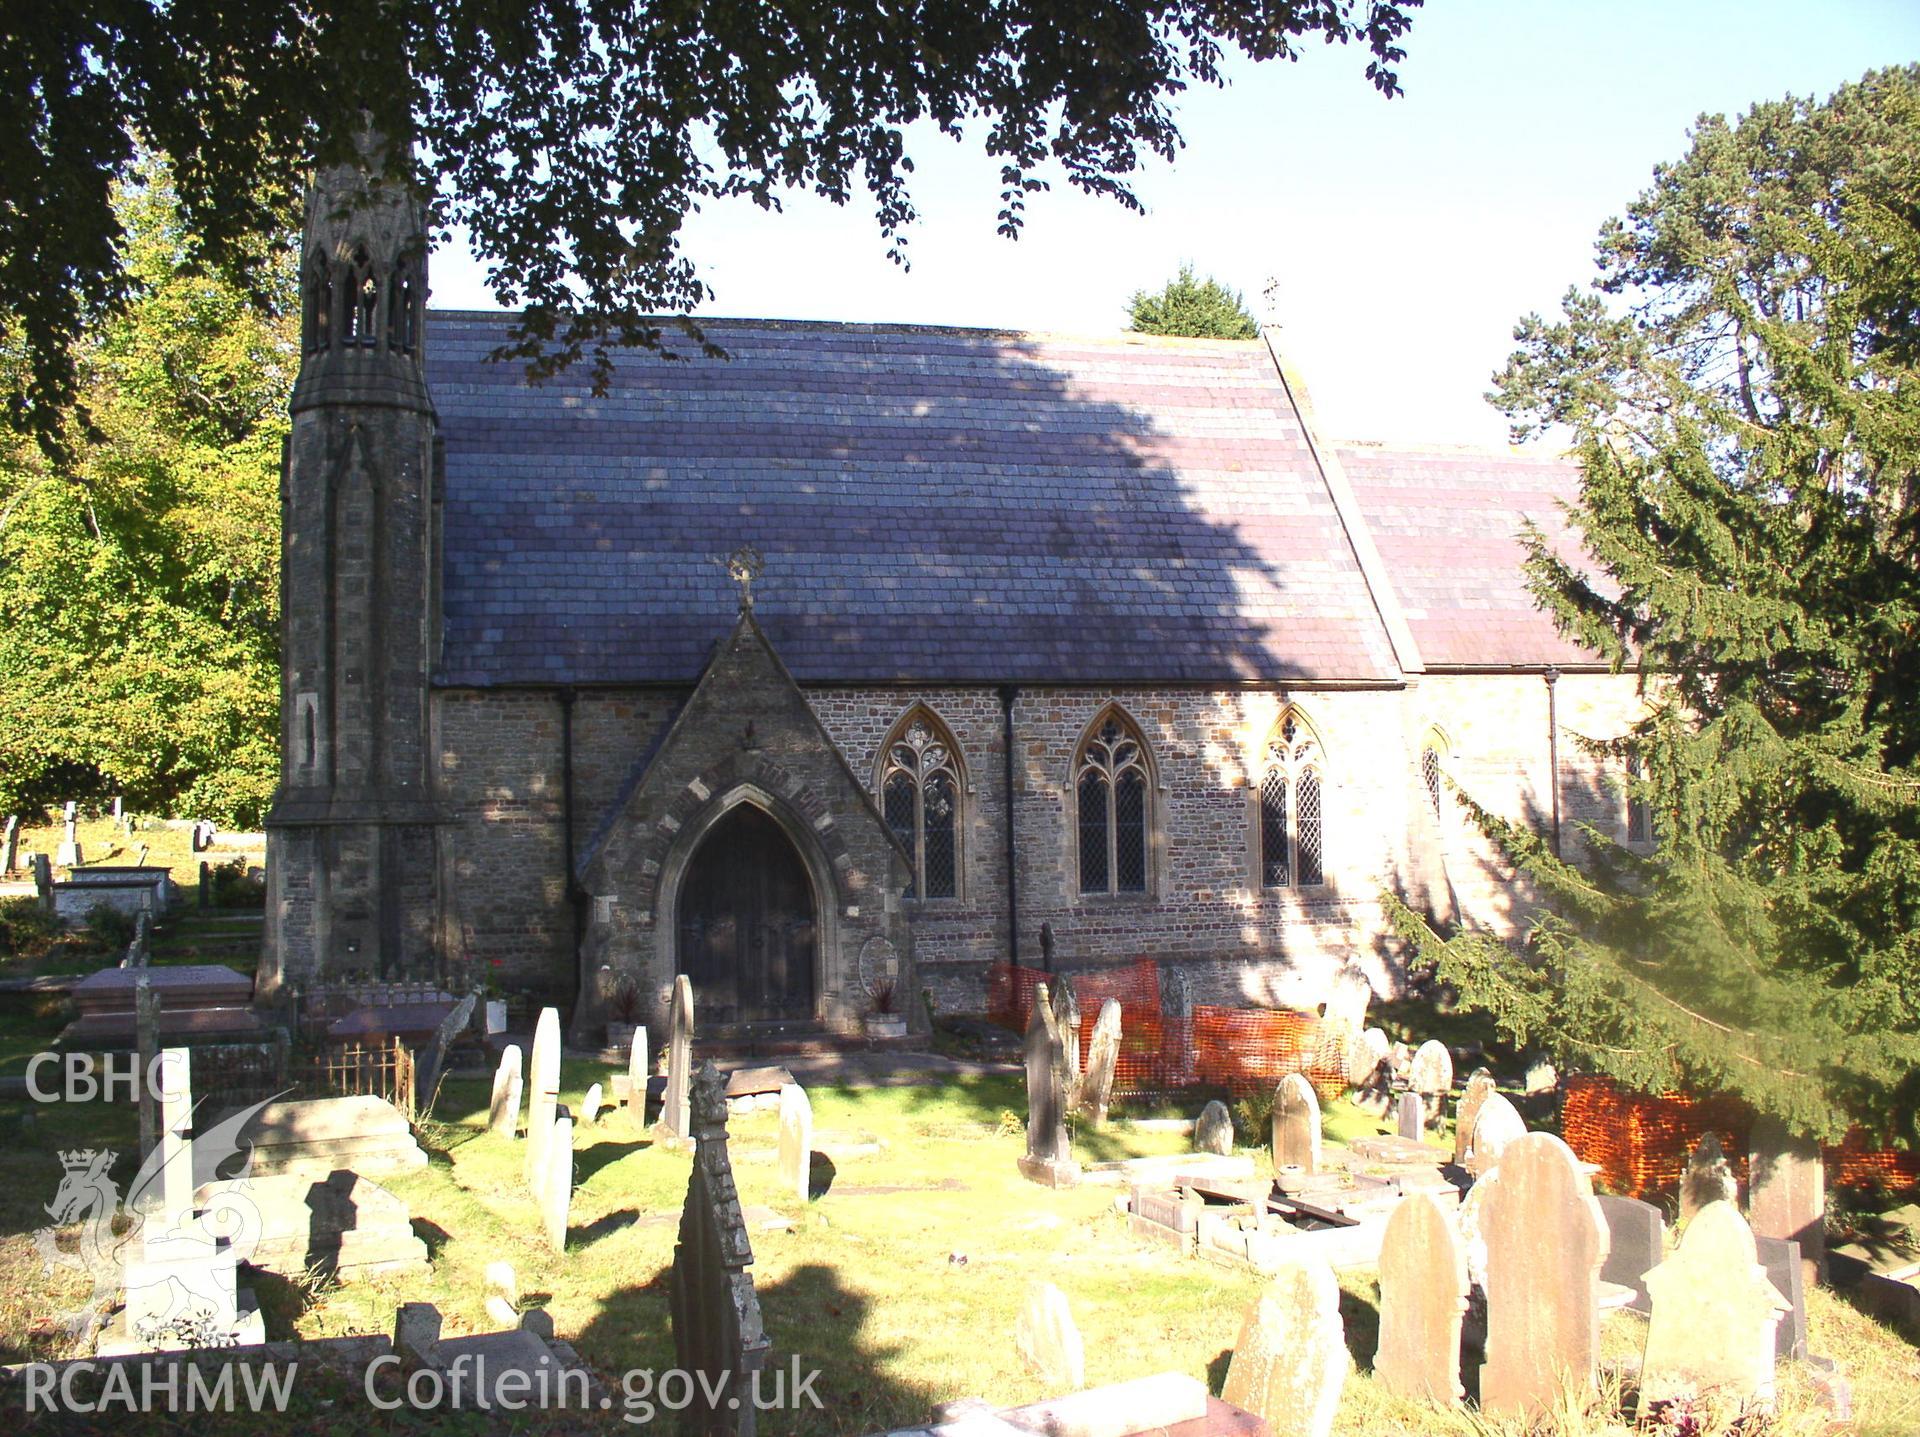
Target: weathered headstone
1296	1125
556	1191
1636	1243
206	884
674	1109
796	1141
116	808
1291	1359
427	1076
1496	1127
590	1106
543	1094
13	842
1479	1088
717	1331
1431	1076
503	1282
1546	1242
43	880
1708	1179
1787	1273
637	1074
1714	1315
1066	1017
1103	1057
68	855
1423	1298
1410	1116
1049	1156
503	1108
1787	1193
146	1045
1367	1059
1213	1129
1049	1341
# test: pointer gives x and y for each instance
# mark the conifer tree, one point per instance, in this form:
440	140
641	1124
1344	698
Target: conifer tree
1192	308
1742	393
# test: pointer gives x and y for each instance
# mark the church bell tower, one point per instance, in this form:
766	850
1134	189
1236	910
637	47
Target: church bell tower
351	836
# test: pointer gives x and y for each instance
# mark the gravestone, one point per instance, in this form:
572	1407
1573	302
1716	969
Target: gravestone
1636	1243
1714	1316
637	1074
1103	1057
1345	1009
1410	1116
1296	1125
1546	1242
426	1078
1049	1341
1479	1088
796	1141
1430	1074
1066	1017
1708	1179
1540	1078
1291	1359
1423	1299
1049	1156
1496	1127
556	1189
717	1331
503	1109
1786	1271
1213	1130
116	808
43	879
543	1094
205	897
590	1106
675	1113
1787	1193
176	1150
146	1045
68	855
13	842
1367	1066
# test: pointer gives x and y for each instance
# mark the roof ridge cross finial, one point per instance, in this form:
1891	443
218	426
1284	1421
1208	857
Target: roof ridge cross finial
744	565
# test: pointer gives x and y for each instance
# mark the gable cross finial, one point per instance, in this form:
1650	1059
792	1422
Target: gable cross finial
744	565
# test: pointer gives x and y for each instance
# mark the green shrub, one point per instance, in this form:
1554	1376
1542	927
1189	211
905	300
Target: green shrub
26	928
234	887
109	927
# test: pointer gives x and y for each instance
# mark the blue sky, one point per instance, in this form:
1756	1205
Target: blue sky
1407	236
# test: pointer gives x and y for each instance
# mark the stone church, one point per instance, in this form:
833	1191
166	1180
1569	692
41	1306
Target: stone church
829	672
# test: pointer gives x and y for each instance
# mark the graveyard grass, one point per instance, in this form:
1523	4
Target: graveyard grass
868	1287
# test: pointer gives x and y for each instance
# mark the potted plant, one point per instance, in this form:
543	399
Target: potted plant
882	1019
623	1014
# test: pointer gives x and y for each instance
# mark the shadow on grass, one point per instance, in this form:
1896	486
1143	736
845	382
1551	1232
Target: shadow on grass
433	1235
588	1161
1361	1319
1217	1371
606	1225
820	1174
812	1318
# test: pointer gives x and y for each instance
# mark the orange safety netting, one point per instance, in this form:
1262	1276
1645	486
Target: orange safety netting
1244	1050
1641	1142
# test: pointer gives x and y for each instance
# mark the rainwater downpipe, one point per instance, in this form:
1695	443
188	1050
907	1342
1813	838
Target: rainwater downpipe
1552	677
576	896
1008	693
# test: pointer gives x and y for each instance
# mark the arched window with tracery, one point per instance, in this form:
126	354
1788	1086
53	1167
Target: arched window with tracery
1639	821
403	309
1292	825
318	326
363	297
1432	762
920	788
1112	784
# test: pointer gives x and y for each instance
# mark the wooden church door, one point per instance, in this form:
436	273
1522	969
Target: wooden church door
746	926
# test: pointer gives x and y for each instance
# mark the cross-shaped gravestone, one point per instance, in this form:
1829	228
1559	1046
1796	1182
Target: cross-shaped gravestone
717	1331
1049	1158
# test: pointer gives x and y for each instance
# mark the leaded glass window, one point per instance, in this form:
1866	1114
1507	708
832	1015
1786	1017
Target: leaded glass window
1292	830
1112	785
920	799
1639	822
1430	776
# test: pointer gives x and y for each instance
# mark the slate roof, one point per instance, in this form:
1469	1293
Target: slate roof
932	504
1447	524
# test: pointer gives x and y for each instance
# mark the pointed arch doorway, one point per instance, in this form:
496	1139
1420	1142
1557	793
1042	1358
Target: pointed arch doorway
746	932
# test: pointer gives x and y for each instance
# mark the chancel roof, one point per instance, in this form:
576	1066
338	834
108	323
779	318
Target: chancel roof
932	505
